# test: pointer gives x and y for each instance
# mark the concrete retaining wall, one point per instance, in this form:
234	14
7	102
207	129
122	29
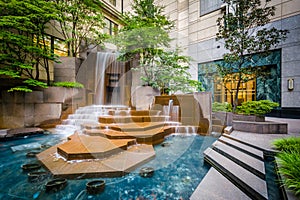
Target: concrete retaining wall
20	109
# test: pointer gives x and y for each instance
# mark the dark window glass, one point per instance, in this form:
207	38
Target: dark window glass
110	27
207	6
113	2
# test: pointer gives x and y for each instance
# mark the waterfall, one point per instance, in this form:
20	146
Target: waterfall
101	74
170	107
102	62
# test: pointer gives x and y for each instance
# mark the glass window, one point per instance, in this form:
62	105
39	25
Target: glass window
224	91
110	27
207	6
59	47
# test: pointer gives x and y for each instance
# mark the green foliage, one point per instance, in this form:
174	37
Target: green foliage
258	108
287	144
197	85
145	30
224	107
35	83
80	23
23	49
145	36
289	162
20	89
68	84
243	33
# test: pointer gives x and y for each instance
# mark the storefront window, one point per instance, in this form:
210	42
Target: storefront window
224	90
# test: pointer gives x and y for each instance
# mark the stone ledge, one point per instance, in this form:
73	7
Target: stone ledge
260	127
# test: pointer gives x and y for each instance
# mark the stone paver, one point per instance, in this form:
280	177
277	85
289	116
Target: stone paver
250	183
242	147
250	163
215	186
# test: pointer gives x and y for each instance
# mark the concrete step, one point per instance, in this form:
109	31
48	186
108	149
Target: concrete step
246	161
249	183
242	147
215	186
218	128
266	152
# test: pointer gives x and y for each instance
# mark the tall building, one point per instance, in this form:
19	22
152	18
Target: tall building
196	30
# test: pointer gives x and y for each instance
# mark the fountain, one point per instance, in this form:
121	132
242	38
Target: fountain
104	79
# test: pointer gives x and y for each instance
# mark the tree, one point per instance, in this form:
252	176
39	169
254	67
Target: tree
80	24
145	36
243	30
168	72
23	47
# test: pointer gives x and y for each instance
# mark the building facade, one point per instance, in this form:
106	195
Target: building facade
196	30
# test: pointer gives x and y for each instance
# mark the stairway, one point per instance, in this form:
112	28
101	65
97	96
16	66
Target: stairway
238	171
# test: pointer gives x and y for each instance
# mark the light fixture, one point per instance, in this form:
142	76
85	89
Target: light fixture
290	84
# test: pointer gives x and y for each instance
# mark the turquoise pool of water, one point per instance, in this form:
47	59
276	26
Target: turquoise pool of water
179	168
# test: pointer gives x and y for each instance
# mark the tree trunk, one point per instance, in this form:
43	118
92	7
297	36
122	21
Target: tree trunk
236	100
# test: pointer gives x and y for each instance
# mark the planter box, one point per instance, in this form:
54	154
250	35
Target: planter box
251	118
225	117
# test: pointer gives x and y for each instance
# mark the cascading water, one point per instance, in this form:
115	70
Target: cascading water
172	111
101	64
87	114
101	74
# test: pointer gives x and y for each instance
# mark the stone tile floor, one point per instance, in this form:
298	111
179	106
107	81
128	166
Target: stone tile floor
265	140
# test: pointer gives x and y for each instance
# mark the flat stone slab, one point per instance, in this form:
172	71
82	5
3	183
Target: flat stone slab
214	186
243	147
250	163
91	147
6	134
260	127
114	166
249	183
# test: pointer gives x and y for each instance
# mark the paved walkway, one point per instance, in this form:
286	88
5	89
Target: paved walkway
265	140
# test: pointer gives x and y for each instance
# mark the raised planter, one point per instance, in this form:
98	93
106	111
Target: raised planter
31	166
251	118
146	172
56	184
95	187
260	127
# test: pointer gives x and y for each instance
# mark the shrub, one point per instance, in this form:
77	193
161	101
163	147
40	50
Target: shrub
68	84
288	144
259	108
225	107
289	162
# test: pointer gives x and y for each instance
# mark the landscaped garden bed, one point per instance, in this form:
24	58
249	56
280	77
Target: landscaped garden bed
289	162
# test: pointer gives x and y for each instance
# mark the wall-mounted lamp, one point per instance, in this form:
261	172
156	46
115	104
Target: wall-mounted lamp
290	84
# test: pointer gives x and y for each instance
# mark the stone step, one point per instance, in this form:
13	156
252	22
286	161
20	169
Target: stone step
242	147
215	186
218	128
248	182
248	162
132	119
